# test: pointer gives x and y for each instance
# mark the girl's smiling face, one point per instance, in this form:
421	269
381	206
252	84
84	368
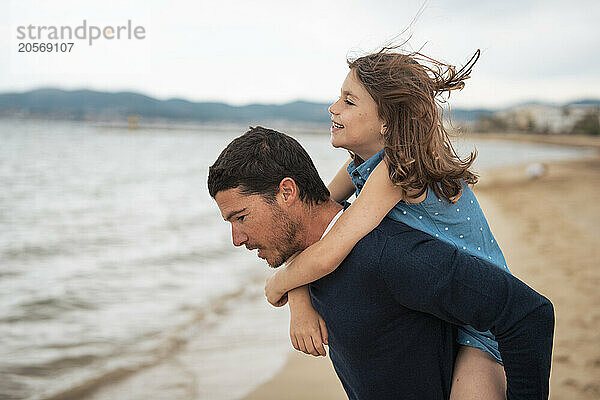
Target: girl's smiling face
356	125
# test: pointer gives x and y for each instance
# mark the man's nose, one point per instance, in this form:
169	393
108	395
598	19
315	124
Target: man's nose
238	236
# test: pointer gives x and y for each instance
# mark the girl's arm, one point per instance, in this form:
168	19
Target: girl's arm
378	197
341	187
308	331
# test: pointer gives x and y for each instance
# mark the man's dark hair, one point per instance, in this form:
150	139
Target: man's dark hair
259	160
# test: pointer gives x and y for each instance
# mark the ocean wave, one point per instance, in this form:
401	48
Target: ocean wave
69	246
45	308
32	251
52	368
77	376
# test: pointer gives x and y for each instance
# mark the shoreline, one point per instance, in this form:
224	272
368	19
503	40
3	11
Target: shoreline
556	255
558	139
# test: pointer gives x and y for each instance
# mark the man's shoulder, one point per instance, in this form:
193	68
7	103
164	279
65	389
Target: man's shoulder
389	228
390	234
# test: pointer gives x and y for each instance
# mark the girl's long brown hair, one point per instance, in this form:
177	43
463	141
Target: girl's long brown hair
408	89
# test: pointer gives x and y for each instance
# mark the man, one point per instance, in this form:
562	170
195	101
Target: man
392	305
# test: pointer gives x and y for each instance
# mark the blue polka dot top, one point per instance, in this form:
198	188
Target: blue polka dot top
462	224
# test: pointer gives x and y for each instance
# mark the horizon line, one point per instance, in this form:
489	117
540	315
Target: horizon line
208	101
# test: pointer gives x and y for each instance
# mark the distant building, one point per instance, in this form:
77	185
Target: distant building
539	118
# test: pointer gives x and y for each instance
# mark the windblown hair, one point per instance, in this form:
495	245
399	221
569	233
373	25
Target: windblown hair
408	90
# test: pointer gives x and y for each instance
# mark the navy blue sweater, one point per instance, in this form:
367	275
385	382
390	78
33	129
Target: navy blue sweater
391	308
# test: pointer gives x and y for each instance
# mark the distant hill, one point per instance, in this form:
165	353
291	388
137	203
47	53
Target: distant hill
93	105
585	102
460	114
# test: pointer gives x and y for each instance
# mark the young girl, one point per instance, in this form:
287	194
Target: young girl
389	110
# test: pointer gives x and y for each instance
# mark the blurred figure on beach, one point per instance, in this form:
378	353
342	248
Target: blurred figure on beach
536	170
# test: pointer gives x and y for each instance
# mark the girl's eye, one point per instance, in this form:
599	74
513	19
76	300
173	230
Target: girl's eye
348	102
241	218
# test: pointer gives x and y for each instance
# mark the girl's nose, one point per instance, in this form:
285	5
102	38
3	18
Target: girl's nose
332	108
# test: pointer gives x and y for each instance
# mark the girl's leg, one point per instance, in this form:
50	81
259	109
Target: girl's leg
477	376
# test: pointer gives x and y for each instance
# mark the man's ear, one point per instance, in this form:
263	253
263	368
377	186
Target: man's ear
288	191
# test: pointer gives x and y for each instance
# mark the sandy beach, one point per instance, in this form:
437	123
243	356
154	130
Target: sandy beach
548	230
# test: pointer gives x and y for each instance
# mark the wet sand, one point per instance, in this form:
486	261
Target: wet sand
549	231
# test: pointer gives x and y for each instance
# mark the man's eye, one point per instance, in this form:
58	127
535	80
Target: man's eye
241	218
348	102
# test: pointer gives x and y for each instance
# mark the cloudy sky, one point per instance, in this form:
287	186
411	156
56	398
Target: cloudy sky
266	51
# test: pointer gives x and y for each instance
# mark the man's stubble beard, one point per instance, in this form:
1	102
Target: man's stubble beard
287	240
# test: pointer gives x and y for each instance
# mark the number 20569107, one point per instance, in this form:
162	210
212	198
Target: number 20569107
45	47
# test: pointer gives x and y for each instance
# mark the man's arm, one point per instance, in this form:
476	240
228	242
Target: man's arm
434	277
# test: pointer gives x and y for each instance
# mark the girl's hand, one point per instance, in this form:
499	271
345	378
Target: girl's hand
275	295
308	332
